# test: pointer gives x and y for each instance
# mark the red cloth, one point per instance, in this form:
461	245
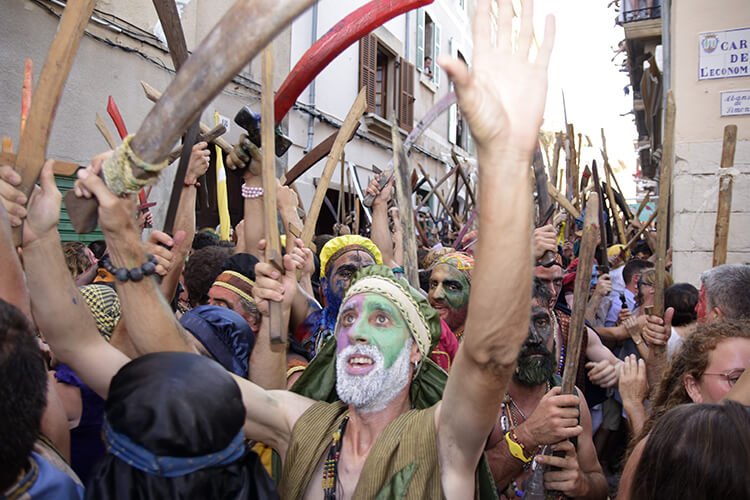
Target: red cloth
445	351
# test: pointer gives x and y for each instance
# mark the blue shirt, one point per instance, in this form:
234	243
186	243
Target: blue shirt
44	481
614	310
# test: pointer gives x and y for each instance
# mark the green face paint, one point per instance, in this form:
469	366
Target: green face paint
449	295
372	319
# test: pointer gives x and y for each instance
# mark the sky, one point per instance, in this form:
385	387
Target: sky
581	66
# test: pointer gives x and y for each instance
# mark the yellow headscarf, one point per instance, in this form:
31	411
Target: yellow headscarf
341	244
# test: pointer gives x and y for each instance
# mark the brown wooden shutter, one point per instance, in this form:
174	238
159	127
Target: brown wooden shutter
406	95
368	61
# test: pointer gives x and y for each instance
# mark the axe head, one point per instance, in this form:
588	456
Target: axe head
250	121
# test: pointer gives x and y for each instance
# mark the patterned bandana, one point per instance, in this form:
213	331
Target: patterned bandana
104	305
341	244
237	283
461	261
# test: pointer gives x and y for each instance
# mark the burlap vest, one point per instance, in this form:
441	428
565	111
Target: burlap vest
403	462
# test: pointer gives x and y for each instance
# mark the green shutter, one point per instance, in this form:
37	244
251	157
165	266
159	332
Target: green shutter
67	233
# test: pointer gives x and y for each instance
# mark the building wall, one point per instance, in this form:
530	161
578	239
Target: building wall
336	88
698	143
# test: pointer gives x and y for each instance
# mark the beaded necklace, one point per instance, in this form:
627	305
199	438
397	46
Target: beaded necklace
506	424
331	465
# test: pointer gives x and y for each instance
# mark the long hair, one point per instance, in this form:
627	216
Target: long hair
690	359
696	451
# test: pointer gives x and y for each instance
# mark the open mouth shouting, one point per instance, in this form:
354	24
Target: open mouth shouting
358	364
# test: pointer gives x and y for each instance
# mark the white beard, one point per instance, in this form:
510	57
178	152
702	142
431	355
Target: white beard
372	392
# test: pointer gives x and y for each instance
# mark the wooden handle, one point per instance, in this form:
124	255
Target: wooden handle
405	208
581	293
721	232
351	121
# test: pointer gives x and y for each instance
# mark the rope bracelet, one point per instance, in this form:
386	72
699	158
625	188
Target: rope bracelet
135	274
251	192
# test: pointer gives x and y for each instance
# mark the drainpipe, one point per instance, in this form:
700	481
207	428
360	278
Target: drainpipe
311	97
666	44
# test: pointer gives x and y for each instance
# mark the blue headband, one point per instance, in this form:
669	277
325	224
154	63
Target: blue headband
142	459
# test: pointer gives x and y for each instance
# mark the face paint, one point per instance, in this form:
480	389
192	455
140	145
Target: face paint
536	362
369	318
700	307
373	390
449	295
552	277
340	274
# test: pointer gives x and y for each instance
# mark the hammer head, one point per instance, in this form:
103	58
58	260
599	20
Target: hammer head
250	121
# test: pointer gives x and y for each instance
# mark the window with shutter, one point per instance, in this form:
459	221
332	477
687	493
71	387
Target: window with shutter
368	55
420	39
435	54
406	95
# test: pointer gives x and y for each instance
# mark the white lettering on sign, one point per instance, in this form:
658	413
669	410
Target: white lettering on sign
724	54
735	102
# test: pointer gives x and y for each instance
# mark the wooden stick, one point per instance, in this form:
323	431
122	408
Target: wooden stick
437	185
572	166
576	331
60	167
662	221
405	209
617	185
154	95
642	230
32	146
562	200
610	193
555	159
721	233
105	132
643	204
437	193
351	121
273	243
26	92
7	146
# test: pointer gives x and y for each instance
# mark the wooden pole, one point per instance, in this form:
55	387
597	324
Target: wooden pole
32	145
619	190
105	132
273	243
555	159
642	230
643	204
26	92
339	217
721	233
562	200
662	221
572	165
611	194
405	209
581	292
350	122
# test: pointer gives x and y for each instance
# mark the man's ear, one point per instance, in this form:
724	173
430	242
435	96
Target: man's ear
716	314
416	356
691	386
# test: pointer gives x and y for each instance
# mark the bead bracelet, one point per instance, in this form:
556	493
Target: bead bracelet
135	274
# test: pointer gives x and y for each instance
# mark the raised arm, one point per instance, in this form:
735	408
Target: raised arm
380	234
150	323
503	101
58	308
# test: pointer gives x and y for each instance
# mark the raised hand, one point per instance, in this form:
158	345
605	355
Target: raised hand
554	419
503	97
199	161
44	207
382	196
657	330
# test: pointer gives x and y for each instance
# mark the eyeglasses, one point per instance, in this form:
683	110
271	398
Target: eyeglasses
731	377
645	283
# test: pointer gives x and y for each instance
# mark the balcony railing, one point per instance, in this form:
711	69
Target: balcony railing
630	15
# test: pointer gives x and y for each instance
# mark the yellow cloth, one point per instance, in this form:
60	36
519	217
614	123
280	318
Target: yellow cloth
342	244
221	191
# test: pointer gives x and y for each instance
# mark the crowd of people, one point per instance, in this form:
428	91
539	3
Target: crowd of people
147	366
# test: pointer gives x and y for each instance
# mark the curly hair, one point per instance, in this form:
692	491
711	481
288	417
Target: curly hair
76	257
201	271
691	359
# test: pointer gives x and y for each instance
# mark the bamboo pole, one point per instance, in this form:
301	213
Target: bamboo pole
576	330
721	232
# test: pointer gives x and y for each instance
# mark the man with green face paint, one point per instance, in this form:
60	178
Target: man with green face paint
450	285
